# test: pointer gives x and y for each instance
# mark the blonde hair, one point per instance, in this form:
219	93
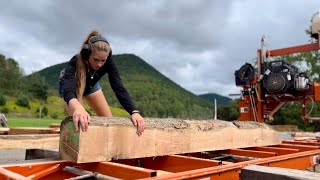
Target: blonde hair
83	66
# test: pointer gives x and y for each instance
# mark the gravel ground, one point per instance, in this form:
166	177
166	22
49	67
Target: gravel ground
12	156
15	156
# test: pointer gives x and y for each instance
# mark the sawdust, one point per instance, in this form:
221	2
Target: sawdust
163	123
209	125
249	125
177	124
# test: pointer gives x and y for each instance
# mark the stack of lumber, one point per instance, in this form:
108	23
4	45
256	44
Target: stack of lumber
116	138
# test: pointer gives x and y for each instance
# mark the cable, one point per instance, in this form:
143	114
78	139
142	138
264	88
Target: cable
312	106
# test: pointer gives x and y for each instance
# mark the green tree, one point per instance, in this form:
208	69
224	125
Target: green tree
38	87
23	101
4	110
10	76
3	100
229	113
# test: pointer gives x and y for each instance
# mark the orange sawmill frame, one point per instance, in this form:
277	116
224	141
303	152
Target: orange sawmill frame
289	154
314	92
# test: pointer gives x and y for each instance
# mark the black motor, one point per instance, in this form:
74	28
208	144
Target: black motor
283	77
244	75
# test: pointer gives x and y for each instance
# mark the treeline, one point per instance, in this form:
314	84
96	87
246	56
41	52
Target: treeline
14	83
291	114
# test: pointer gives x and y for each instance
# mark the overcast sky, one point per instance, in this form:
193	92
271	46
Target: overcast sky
196	43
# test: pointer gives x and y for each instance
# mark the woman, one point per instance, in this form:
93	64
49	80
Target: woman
81	77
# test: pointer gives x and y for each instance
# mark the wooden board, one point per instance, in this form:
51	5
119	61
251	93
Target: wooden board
4	130
33	130
54	125
35	141
116	138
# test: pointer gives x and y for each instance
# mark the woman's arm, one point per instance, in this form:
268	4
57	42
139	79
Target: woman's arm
118	88
78	112
69	80
80	115
123	96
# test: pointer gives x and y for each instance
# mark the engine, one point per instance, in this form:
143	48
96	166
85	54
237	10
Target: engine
278	77
283	77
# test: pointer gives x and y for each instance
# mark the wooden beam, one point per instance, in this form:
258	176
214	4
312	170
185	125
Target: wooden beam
35	141
115	138
262	172
33	130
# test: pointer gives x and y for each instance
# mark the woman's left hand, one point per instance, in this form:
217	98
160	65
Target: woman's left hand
138	121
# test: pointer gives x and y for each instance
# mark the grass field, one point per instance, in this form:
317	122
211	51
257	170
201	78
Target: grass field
31	122
54	107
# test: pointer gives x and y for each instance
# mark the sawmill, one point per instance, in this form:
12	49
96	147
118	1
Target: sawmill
170	148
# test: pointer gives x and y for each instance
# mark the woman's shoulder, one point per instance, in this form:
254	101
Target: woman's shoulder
73	60
109	65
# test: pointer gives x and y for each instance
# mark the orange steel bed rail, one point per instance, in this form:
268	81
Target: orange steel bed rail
224	164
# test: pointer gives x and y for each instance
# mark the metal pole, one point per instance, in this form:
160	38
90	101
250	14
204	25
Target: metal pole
215	109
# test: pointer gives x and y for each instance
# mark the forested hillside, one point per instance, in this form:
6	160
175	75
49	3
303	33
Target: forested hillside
154	94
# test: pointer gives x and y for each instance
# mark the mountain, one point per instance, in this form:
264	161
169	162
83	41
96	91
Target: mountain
221	100
154	94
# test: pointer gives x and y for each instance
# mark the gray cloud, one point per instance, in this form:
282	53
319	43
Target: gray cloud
197	44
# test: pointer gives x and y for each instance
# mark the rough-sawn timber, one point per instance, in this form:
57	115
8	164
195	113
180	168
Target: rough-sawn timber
32	141
116	138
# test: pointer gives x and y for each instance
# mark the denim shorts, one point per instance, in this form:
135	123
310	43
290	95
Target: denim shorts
91	89
88	90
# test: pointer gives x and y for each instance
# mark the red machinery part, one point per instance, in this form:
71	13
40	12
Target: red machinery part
289	154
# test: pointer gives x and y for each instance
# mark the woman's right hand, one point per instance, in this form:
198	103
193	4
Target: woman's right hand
80	115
